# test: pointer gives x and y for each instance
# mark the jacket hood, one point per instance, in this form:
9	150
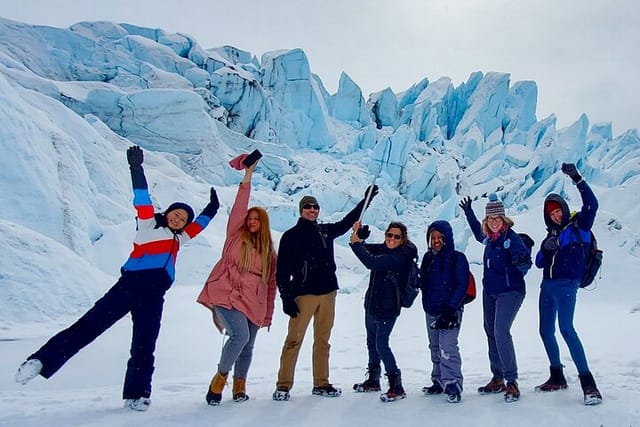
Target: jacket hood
566	214
447	232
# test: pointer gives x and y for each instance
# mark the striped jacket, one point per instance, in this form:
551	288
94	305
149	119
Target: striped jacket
156	247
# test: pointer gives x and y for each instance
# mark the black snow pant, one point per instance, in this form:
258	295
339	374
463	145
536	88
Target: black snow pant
139	292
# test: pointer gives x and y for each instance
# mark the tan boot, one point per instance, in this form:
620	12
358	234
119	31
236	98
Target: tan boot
240	389
214	394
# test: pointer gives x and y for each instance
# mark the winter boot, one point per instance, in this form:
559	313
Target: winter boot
496	385
513	392
141	404
555	382
433	389
28	371
453	393
591	394
281	394
327	390
396	391
240	389
214	394
372	383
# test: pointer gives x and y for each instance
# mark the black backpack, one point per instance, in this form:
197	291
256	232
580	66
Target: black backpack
409	289
593	256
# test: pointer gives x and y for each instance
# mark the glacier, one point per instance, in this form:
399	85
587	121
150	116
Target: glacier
73	99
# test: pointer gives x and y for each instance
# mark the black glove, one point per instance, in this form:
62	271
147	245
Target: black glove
212	208
290	307
374	192
364	232
570	170
448	319
550	243
465	204
135	157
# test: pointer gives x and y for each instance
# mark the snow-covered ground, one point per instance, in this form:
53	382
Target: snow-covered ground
86	392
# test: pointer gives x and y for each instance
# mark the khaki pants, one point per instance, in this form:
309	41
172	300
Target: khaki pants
322	309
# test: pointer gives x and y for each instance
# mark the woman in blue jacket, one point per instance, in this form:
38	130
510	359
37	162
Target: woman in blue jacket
506	259
389	263
444	274
562	258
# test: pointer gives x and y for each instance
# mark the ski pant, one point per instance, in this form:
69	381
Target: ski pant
237	352
378	332
322	309
558	299
139	292
499	312
445	354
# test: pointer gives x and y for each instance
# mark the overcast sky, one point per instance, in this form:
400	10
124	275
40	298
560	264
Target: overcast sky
579	53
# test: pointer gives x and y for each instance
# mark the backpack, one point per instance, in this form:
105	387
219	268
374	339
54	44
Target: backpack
410	288
593	256
470	293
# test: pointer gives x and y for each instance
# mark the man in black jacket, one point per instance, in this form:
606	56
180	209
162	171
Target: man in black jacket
306	278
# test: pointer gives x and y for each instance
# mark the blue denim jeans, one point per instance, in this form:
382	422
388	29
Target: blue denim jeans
238	350
378	332
499	312
558	300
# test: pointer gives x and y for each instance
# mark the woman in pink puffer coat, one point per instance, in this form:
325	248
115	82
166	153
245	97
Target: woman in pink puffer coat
240	290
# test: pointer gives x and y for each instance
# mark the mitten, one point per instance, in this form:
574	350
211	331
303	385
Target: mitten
465	204
212	208
550	243
290	307
570	170
364	232
135	157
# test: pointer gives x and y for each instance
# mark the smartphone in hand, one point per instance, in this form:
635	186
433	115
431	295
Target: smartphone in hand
252	158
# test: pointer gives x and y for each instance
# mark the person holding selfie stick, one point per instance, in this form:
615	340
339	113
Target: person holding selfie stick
306	277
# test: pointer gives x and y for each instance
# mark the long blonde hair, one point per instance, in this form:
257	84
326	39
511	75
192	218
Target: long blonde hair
261	241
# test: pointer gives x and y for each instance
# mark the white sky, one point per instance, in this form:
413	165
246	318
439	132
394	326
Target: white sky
579	53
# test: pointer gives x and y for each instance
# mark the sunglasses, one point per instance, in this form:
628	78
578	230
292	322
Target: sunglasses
395	236
311	206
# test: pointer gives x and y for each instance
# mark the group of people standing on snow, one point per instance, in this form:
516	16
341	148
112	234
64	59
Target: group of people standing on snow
241	288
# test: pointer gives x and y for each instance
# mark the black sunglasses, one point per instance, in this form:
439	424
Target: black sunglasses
311	206
395	236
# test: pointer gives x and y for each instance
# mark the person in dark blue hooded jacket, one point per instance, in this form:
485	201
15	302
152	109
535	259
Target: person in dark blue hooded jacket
444	274
389	263
506	260
562	258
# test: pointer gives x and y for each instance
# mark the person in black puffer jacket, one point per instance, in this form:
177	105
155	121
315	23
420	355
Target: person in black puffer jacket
306	279
389	263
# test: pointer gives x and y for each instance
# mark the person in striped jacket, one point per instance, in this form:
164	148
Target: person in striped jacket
145	277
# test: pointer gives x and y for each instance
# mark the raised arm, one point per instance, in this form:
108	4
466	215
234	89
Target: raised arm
141	199
474	224
207	214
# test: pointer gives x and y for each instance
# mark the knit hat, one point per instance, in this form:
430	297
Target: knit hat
308	200
185	207
494	206
551	206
